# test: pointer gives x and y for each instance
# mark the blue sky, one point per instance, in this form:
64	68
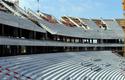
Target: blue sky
77	8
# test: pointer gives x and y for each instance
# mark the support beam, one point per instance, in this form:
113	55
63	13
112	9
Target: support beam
73	22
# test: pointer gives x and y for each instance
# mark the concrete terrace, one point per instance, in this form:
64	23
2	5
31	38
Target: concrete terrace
95	65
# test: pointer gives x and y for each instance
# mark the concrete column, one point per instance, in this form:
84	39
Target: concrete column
124	46
2	30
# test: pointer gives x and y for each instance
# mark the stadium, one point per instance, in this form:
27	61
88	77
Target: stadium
37	46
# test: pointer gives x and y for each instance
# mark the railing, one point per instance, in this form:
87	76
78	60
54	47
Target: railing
9	8
21	10
58	42
24	38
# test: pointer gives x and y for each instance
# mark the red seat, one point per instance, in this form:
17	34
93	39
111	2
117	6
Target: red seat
15	72
16	77
7	74
7	69
0	71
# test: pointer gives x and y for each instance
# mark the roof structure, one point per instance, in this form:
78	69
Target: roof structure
18	22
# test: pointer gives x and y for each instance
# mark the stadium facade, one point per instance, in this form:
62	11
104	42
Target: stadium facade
27	32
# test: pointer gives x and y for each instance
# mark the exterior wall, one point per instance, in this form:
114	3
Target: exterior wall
121	22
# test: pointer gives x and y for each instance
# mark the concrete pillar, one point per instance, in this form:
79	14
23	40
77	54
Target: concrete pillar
2	30
124	46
